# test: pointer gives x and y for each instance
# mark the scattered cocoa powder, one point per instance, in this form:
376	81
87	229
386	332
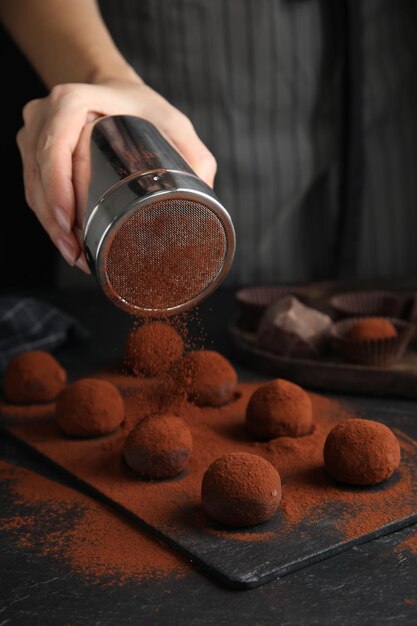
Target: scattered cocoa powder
405	549
152	348
361	452
307	487
33	377
372	328
207	378
241	490
279	408
409	544
89	407
15	412
86	535
158	447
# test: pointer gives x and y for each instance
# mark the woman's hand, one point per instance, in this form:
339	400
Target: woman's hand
49	137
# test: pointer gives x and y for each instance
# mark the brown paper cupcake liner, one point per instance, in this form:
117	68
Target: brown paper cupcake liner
377	352
367	304
252	301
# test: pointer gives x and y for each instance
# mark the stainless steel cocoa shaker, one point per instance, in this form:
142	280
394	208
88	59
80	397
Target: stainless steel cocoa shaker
155	236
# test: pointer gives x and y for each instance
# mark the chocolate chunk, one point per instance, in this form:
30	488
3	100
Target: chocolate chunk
290	328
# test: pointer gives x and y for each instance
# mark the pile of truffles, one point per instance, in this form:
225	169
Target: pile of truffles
238	489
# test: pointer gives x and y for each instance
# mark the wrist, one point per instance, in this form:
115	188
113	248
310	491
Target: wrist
121	72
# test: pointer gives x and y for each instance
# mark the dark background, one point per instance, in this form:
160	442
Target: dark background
28	258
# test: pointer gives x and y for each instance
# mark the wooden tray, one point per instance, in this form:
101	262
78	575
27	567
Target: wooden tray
329	373
332	372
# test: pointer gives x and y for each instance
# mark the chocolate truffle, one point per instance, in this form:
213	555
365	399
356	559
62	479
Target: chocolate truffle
279	408
207	378
290	328
371	328
89	407
158	447
33	377
153	348
241	490
361	452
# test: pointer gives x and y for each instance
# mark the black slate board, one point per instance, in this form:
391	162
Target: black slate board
272	552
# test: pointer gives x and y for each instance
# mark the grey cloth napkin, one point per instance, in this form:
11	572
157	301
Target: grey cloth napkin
34	324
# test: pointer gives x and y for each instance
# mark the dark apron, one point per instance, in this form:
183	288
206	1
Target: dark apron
310	108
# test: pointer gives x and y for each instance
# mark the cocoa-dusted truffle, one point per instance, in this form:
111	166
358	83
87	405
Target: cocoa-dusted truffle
371	328
241	490
207	378
158	447
89	407
33	377
290	328
279	408
361	452
153	348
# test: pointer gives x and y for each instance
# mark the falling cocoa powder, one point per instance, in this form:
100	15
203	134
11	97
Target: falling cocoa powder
152	348
206	378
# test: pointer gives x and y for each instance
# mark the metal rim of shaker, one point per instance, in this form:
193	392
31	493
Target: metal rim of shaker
126	180
177	193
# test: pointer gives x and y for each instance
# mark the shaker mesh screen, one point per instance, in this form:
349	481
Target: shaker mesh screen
166	254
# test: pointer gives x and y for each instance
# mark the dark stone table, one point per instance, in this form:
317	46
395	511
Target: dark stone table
372	584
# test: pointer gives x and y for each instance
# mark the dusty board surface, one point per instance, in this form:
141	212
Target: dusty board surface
268	551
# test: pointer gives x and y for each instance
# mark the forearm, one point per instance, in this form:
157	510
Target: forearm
66	41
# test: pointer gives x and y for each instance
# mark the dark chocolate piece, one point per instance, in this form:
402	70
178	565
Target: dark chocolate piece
290	328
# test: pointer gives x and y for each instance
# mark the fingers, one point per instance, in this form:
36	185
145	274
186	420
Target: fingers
81	262
54	221
65	242
57	139
182	134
